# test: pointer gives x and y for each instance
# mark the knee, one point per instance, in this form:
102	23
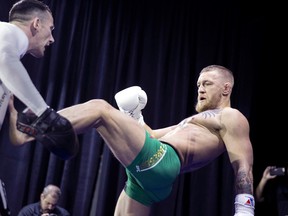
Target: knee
98	104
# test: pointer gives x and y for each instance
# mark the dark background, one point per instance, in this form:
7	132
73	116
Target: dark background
103	46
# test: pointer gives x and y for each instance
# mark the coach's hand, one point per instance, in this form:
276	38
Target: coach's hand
52	130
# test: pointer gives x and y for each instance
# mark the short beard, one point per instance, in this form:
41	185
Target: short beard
203	107
199	108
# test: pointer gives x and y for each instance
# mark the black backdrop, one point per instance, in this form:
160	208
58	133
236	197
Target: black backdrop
103	46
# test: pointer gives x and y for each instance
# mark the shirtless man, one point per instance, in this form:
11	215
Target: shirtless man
153	156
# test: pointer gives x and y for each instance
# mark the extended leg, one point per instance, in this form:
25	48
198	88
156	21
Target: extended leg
123	135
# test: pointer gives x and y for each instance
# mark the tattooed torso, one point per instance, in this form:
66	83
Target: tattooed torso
197	139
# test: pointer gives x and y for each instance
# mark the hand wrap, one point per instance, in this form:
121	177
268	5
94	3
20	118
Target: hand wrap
244	205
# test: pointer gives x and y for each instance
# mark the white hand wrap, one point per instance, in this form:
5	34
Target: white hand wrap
244	205
131	101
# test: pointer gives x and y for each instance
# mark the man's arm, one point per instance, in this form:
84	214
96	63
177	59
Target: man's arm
235	134
52	130
14	44
16	137
260	187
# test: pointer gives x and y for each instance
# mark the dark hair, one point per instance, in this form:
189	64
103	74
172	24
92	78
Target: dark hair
23	9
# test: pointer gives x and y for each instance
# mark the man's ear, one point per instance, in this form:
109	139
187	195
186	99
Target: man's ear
42	196
227	88
35	25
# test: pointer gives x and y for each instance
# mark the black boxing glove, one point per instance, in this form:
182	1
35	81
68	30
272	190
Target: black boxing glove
52	130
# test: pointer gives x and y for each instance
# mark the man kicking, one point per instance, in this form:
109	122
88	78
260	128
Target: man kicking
154	158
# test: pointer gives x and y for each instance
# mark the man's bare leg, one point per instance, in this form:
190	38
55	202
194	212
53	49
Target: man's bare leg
123	135
129	207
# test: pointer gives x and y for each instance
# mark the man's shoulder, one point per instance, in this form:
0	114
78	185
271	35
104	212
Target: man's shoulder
32	205
229	111
62	211
31	209
13	37
7	27
233	117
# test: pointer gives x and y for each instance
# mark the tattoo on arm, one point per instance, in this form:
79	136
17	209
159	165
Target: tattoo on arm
243	183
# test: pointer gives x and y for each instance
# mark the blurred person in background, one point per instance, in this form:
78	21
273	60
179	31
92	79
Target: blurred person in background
47	206
271	194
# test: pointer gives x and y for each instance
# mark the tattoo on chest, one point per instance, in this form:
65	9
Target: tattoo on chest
182	123
209	113
200	116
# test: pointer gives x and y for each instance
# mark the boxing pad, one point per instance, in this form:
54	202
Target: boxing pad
244	205
131	101
52	130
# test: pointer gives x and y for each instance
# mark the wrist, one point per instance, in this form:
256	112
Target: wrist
141	120
244	205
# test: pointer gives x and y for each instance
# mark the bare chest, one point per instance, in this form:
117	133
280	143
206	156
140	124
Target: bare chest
210	120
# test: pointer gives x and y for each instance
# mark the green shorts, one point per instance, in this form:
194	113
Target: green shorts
152	174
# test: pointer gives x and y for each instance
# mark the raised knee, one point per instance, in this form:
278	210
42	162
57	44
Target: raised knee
95	102
98	104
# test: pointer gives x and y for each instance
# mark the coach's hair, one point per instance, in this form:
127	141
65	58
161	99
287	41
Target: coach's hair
25	10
